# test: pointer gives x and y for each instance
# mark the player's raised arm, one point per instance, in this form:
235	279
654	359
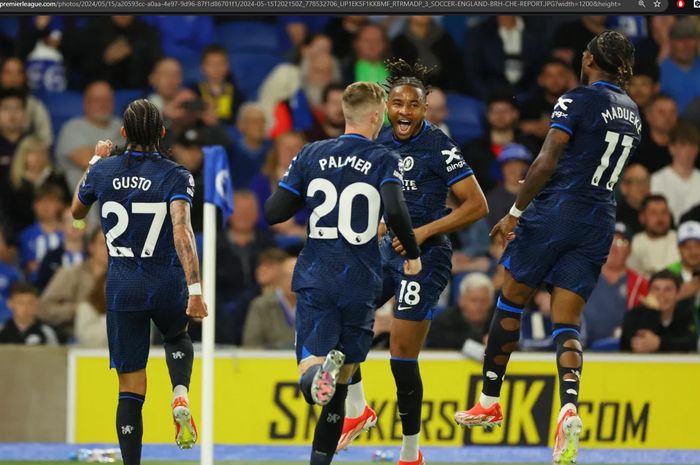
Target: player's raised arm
83	197
186	248
399	220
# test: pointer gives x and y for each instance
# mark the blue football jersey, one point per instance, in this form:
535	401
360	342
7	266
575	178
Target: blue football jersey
432	163
134	192
340	180
605	129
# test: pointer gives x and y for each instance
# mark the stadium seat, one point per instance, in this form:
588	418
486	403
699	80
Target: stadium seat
123	97
251	69
466	117
9	26
247	36
63	106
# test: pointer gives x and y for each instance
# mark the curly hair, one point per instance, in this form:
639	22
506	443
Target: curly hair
401	73
143	124
614	54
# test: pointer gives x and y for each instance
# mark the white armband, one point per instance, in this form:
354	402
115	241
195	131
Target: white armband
515	212
195	289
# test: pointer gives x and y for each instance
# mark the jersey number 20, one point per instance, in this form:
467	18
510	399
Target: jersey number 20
344	211
157	209
612	138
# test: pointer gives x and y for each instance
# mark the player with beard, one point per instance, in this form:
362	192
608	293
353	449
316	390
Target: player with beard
433	166
561	227
332	122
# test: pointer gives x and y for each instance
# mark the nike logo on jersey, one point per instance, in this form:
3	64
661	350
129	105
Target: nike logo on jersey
563	103
404	307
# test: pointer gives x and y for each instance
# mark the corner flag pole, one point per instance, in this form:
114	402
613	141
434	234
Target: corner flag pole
209	278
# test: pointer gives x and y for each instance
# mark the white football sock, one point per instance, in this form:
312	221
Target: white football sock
355	401
487	401
180	391
409	448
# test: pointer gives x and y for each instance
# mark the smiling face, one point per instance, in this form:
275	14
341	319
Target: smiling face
407	109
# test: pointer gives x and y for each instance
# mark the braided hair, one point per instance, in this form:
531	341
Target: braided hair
404	74
143	125
614	54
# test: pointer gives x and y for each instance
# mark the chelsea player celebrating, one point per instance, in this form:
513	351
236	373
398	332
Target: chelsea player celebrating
153	268
561	228
433	166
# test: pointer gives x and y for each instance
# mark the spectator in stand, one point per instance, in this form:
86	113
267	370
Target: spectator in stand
269	268
555	78
71	285
515	159
661	116
90	328
422	39
25	327
644	85
502	117
654	248
618	290
469	320
437	111
536	326
342	31
46	233
367	62
571	39
331	122
680	182
271	318
219	91
31	168
635	187
659	325
302	83
680	72
688	267
76	141
70	252
39	43
12	115
166	80
238	251
9	273
508	56
250	146
121	50
36	121
283	150
183	37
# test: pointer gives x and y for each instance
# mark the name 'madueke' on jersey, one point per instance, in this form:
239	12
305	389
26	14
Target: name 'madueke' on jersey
340	180
134	192
432	163
605	128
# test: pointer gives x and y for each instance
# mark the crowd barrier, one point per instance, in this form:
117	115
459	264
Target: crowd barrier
627	401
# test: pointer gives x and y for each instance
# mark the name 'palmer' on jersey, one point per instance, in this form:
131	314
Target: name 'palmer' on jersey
594	159
340	179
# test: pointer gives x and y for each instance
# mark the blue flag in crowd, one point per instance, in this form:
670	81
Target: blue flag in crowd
218	188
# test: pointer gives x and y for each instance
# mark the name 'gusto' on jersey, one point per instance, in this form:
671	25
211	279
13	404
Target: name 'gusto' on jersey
131	182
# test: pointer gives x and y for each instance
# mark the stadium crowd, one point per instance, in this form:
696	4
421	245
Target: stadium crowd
264	86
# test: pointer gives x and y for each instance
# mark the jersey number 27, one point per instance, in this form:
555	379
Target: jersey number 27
157	209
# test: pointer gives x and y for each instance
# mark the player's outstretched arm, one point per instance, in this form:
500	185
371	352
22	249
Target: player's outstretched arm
186	248
537	176
472	208
399	220
78	209
281	206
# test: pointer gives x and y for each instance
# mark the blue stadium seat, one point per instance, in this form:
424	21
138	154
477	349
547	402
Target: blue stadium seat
466	119
191	71
123	97
250	70
62	107
247	36
9	26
